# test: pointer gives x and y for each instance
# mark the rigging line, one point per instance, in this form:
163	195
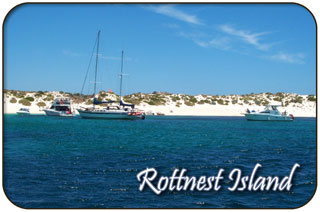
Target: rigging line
121	74
85	79
96	69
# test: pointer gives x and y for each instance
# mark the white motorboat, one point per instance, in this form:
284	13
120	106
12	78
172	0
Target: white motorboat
23	112
270	113
119	111
60	107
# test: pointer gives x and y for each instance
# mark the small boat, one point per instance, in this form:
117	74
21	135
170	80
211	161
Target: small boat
118	111
23	112
270	113
60	107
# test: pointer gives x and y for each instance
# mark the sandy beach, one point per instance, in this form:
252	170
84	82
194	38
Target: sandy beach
171	106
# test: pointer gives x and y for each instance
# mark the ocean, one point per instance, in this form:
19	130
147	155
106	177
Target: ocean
56	162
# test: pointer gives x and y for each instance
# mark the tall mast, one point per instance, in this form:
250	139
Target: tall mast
121	74
95	75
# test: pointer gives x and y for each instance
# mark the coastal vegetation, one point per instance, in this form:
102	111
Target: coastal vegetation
41	104
13	100
311	98
44	98
29	98
25	102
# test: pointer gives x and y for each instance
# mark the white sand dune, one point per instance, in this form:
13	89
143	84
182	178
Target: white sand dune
304	109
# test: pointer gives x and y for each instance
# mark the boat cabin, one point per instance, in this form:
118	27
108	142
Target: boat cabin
273	109
62	101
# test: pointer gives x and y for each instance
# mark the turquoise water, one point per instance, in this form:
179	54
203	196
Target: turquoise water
55	162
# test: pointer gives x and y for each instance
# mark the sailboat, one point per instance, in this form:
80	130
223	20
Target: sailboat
120	111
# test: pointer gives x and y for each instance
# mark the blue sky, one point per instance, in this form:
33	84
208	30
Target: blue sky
189	48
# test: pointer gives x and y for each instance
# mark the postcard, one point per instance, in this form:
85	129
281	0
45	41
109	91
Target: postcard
111	105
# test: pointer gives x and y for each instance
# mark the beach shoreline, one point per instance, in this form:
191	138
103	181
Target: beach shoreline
171	104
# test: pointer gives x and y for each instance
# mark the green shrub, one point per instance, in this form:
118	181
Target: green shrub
49	98
89	102
280	94
208	101
132	99
193	99
31	99
278	99
41	104
14	93
156	99
257	102
188	103
312	98
39	94
220	102
201	102
20	95
13	100
297	99
25	102
175	98
102	94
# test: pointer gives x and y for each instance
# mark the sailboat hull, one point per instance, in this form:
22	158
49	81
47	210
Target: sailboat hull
108	115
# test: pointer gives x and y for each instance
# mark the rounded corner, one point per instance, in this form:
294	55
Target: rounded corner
12	202
11	10
309	11
307	202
